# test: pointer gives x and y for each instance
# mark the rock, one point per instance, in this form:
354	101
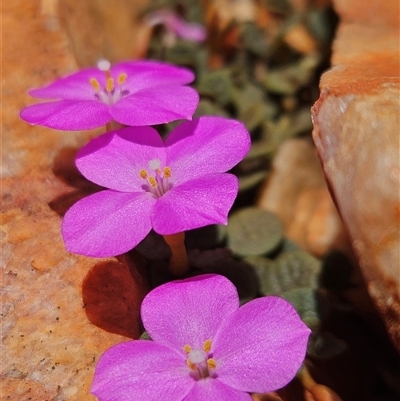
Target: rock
50	347
297	193
356	132
108	30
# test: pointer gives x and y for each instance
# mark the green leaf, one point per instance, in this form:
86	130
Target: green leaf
306	305
290	270
254	40
216	85
249	181
324	345
184	52
254	231
297	269
220	261
208	108
253	107
145	336
288	126
290	78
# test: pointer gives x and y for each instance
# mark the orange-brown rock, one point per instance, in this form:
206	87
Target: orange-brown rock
49	346
297	193
356	132
98	29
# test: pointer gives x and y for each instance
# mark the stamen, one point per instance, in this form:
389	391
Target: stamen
197	356
207	345
107	74
110	84
95	83
187	348
103	65
191	365
211	363
158	179
154	164
110	92
122	78
152	182
167	172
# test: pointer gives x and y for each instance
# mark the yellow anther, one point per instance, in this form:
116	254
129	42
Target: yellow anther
152	182
211	363
167	172
121	78
187	348
191	365
95	83
110	84
143	173
207	345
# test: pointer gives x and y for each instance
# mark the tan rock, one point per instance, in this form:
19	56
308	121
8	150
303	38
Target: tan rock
49	346
300	39
297	193
101	29
356	132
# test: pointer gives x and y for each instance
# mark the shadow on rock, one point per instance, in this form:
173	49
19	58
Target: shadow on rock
112	293
65	170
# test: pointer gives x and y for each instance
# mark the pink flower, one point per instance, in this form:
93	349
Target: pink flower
136	93
171	187
204	346
177	25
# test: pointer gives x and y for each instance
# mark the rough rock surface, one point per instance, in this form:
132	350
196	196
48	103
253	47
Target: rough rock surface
356	132
49	346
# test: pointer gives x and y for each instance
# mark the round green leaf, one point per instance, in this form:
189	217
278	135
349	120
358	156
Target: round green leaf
254	231
305	303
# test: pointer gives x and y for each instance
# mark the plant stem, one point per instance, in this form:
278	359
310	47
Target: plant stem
305	378
313	390
113	126
178	264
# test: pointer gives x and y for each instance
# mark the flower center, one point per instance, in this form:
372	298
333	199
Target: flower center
200	361
159	182
113	91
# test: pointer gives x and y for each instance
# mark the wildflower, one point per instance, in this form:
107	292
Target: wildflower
204	346
177	26
134	93
171	187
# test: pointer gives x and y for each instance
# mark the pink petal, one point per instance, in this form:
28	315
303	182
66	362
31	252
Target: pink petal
114	160
107	223
157	105
188	312
144	74
177	25
214	390
67	114
196	203
73	87
206	145
260	347
141	370
191	31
